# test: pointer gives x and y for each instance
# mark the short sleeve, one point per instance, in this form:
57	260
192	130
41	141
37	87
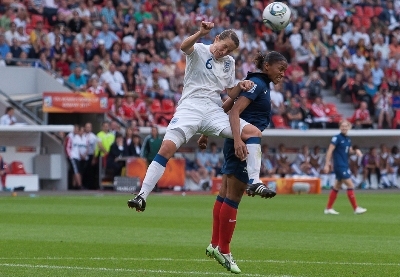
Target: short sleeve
257	89
334	140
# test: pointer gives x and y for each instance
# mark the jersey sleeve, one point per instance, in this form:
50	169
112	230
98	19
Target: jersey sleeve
196	47
257	89
334	140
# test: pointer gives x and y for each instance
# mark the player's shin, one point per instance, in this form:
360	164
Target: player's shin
154	172
227	218
254	159
216	212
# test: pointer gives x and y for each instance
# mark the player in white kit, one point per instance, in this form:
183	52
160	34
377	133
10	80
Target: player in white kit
209	71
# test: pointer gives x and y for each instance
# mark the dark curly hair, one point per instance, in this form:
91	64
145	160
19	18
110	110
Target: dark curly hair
270	58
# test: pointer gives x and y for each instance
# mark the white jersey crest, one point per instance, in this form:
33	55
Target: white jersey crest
206	77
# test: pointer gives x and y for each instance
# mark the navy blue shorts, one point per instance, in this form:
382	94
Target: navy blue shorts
342	173
232	164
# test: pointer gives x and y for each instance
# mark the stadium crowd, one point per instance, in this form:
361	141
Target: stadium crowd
130	48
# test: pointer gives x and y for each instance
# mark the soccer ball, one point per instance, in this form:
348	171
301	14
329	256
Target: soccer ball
276	16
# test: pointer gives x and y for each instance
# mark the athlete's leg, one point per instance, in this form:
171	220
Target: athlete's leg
350	192
333	194
228	212
182	127
216	212
157	167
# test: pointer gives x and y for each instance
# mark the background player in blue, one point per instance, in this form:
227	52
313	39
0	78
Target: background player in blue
339	150
255	106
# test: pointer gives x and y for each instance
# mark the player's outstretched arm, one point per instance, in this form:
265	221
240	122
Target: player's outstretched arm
227	105
187	45
242	85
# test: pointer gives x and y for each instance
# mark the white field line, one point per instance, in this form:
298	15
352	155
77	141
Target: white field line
202	260
205	260
105	269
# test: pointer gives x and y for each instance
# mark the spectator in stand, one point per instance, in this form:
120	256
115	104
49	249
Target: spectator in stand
8	118
76	23
320	119
268	168
77	79
117	150
157	87
383	103
117	109
304	57
176	79
109	37
339	80
151	145
42	62
370	163
282	161
277	101
95	87
63	65
314	85
361	117
370	87
109	15
114	81
295	73
11	33
15	50
358	60
130	109
377	73
133	142
382	47
322	64
295	38
204	168
294	114
4	47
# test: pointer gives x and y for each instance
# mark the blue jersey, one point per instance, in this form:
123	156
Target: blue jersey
258	112
341	153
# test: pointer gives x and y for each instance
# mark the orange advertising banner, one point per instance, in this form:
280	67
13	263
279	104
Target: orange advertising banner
174	174
67	102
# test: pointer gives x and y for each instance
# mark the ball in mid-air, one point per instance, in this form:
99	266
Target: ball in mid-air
276	16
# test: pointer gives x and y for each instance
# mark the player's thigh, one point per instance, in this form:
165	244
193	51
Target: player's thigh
235	188
216	123
185	123
348	183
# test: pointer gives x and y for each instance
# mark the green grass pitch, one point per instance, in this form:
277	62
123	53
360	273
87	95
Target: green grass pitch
97	235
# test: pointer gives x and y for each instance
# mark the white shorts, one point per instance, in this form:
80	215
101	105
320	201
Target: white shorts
199	115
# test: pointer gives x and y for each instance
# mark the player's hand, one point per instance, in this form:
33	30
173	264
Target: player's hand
202	142
240	150
205	27
246	85
326	169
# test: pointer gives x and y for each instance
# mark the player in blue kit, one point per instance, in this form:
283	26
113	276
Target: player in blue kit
339	150
254	106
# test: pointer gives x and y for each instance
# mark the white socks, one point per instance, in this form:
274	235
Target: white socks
153	175
254	162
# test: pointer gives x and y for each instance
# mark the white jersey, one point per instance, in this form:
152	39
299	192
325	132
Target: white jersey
77	146
92	141
206	77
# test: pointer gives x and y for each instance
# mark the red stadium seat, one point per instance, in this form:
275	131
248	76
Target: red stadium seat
378	10
155	106
331	109
369	11
17	167
396	119
35	19
356	21
279	122
168	106
366	22
359	11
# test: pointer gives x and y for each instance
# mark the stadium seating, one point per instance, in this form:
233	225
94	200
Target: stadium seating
369	11
396	119
378	10
279	122
17	167
168	108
